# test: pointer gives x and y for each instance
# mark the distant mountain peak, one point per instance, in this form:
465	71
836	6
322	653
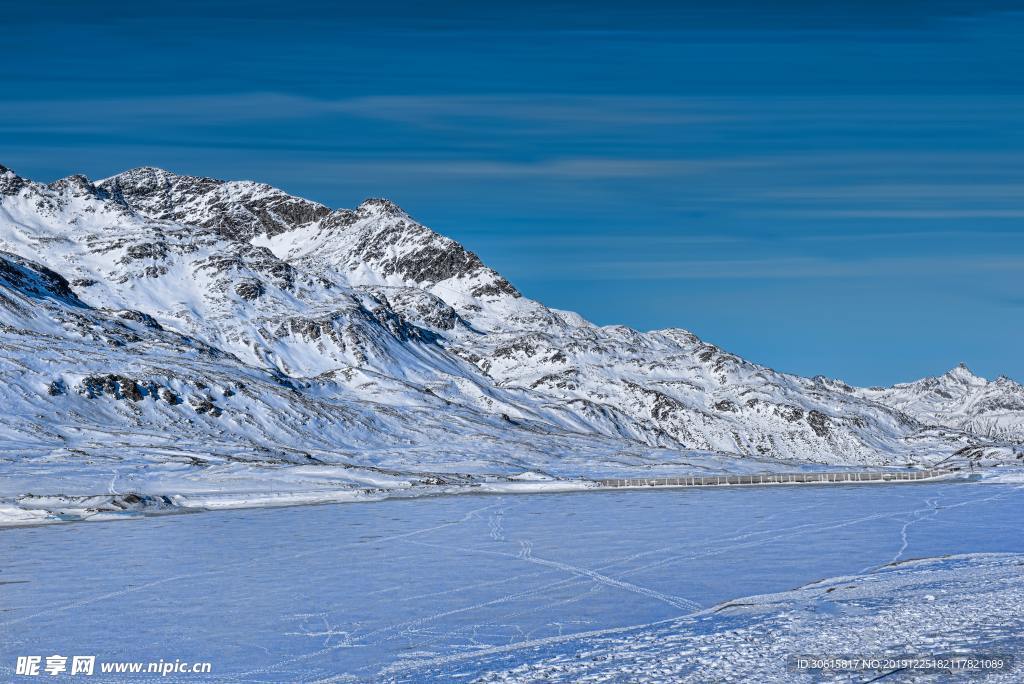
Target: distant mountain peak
138	171
962	373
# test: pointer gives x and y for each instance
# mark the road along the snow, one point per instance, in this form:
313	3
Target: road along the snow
843	477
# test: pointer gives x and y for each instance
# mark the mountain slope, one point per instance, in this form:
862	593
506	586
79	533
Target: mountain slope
293	333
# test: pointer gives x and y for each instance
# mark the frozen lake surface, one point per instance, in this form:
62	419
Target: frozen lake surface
448	588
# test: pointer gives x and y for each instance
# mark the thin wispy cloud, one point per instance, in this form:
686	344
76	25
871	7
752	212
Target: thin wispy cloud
607	110
571	168
799	268
602	110
835	234
627	239
818	114
901	192
110	113
903	214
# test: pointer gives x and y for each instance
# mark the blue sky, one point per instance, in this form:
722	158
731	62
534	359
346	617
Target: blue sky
835	190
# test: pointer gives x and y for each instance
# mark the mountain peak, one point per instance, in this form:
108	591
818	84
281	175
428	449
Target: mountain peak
381	206
240	210
10	182
76	183
149	179
962	373
140	172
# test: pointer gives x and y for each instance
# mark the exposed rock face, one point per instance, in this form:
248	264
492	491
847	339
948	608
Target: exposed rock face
203	404
116	386
34	280
236	315
239	210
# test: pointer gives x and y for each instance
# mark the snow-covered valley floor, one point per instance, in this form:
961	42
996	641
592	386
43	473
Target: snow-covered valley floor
513	588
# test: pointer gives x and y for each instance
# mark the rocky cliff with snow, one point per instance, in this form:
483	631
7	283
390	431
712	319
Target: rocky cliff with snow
165	319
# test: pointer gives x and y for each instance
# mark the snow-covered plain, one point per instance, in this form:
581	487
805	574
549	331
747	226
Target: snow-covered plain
612	586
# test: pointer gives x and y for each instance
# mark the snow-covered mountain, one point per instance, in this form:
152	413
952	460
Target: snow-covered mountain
960	399
190	319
